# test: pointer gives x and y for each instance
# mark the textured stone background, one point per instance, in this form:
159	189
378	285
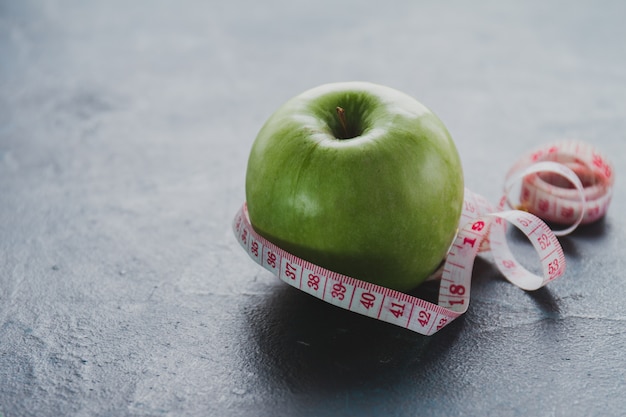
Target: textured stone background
124	133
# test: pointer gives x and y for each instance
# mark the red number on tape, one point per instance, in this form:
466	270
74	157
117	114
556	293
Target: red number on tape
271	259
314	282
367	299
423	317
339	291
290	270
397	309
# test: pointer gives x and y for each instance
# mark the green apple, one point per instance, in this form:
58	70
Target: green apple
360	179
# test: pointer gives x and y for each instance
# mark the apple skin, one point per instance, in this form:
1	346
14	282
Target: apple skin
382	206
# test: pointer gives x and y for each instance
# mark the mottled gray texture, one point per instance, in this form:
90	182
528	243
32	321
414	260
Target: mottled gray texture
124	133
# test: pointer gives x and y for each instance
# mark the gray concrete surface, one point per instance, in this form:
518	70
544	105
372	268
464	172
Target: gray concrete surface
124	134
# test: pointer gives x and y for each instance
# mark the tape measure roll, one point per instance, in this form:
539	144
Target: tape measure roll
554	199
571	176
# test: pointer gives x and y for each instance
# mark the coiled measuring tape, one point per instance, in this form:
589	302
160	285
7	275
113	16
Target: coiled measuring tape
568	182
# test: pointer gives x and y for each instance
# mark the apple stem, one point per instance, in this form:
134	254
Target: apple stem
341	113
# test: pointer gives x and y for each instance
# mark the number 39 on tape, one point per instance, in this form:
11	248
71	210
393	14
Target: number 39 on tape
568	182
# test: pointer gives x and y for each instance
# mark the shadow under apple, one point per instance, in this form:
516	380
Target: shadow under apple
316	348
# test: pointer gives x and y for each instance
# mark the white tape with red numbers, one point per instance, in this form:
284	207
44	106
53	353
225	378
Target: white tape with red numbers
568	182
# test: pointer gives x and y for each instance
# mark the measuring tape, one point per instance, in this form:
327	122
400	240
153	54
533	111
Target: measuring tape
550	197
569	183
